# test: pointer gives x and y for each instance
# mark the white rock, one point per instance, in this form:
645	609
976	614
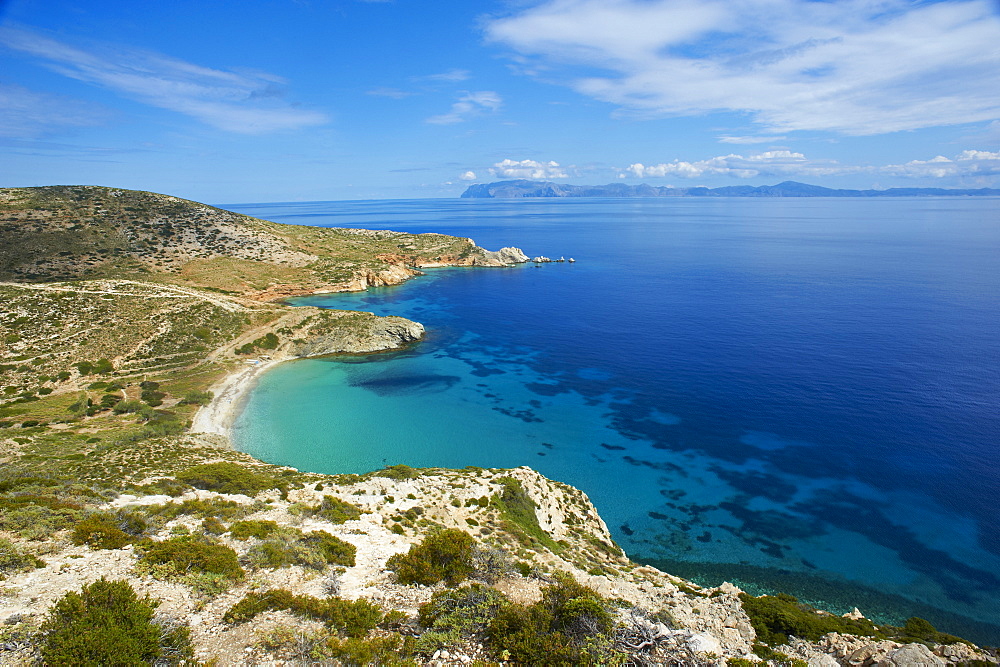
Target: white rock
911	654
703	642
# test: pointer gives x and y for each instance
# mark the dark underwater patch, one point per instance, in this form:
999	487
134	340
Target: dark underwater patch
754	483
526	416
399	385
543	389
614	448
848	512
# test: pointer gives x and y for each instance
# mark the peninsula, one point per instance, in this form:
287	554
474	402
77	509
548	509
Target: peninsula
525	188
130	323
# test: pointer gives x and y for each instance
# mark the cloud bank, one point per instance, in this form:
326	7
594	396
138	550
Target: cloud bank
529	169
241	102
967	165
855	67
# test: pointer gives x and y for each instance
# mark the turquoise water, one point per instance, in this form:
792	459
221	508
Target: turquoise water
795	393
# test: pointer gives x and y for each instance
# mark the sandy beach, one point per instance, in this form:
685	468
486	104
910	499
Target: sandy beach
218	416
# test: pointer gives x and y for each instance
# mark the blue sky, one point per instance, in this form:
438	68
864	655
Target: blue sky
286	100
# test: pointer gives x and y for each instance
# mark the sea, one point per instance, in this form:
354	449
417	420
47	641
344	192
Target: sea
793	394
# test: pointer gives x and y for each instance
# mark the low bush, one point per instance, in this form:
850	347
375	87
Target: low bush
128	407
391	651
213	526
334	510
184	555
106	623
289	546
243	530
571	624
920	630
353	618
517	513
454	615
446	556
228	477
776	617
109	531
197	398
13	559
214	507
164	486
397	472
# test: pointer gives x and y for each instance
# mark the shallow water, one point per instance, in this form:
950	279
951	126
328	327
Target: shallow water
803	390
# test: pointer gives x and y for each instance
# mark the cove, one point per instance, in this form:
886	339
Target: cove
798	390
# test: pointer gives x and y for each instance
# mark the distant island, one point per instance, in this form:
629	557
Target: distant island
524	188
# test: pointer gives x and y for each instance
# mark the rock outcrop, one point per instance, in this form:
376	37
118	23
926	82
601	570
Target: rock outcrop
363	335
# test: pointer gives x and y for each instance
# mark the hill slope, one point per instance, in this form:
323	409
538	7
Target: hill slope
86	232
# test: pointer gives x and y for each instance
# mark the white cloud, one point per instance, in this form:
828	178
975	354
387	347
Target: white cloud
394	93
727	139
467	106
468	176
450	75
853	66
768	163
247	102
27	113
968	164
530	169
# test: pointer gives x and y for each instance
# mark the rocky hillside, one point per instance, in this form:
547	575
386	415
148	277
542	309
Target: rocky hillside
87	232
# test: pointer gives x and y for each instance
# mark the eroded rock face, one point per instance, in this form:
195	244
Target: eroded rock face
507	256
371	335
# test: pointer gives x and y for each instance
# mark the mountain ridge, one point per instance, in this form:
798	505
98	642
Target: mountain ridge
523	188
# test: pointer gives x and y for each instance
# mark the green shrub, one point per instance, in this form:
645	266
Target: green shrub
397	472
197	398
13	560
391	651
213	526
290	546
333	549
777	617
126	407
100	531
446	555
228	477
517	512
354	619
191	555
108	624
153	398
214	507
920	630
243	530
164	486
453	615
571	625
335	510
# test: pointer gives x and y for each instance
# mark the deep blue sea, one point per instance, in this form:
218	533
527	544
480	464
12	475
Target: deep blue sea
793	394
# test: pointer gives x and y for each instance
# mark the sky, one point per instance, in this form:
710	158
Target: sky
305	100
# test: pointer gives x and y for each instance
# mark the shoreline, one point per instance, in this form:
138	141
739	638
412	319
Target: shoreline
219	415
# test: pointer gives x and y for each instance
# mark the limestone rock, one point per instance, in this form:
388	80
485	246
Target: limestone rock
372	335
911	654
501	257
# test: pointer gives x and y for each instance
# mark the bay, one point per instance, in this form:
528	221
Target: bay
799	394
